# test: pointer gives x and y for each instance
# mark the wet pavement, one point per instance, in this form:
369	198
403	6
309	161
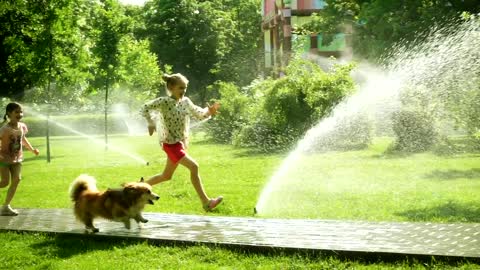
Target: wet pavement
440	239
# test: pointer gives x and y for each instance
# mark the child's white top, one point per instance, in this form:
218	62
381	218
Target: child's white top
174	117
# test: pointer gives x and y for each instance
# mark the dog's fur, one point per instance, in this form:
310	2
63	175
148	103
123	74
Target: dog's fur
120	204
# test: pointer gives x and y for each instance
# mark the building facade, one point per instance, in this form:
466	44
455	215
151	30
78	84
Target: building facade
280	17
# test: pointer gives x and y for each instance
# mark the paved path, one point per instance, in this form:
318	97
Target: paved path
451	239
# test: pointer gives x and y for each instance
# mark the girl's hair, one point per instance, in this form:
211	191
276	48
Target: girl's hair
12	106
173	79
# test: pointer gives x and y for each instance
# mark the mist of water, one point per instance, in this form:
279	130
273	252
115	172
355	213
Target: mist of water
134	123
444	64
94	140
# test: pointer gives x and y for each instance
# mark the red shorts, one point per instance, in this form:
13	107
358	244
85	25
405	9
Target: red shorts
175	151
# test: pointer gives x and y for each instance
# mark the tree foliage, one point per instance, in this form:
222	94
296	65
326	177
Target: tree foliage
89	44
379	24
109	26
74	45
205	40
41	42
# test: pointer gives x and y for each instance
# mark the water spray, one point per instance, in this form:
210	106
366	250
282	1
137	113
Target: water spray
447	62
93	139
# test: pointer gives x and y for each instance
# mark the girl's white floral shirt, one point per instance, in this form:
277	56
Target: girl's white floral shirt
173	117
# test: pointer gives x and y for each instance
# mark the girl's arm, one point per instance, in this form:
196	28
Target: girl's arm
202	113
147	108
25	142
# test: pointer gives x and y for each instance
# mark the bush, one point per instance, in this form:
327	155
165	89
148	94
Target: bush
354	132
472	114
274	114
265	138
285	106
233	112
414	131
294	103
86	124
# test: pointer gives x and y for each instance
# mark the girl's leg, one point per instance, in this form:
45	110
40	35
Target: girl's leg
192	165
5	176
167	173
15	170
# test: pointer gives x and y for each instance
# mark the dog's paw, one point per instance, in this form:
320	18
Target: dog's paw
91	230
141	219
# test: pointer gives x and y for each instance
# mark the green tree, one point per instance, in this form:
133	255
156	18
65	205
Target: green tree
380	24
244	60
44	49
14	78
138	70
185	35
110	25
44	41
39	36
205	40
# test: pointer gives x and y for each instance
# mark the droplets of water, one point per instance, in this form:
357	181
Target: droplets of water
92	139
432	74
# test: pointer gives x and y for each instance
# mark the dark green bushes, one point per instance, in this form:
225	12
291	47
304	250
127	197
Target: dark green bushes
414	131
233	115
348	133
274	114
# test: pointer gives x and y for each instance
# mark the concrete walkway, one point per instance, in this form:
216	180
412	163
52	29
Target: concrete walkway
440	239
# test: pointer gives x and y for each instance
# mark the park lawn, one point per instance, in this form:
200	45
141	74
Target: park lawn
376	185
445	188
40	251
224	170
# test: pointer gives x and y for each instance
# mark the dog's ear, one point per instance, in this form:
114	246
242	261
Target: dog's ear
142	180
129	190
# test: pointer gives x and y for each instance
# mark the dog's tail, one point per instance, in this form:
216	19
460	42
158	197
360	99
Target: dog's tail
82	183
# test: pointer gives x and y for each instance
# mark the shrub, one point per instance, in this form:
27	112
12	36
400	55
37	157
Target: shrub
350	133
294	103
233	112
265	138
273	114
472	115
414	131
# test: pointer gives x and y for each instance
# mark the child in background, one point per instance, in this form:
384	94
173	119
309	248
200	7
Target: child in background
175	111
12	137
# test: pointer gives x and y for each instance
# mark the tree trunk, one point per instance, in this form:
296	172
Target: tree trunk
106	114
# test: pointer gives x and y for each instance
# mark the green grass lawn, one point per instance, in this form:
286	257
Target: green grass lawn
372	185
225	171
354	185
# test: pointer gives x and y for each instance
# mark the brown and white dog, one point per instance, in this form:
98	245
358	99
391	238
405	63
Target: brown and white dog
120	204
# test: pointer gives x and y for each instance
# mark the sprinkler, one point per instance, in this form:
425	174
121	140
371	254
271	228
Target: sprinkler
148	163
255	210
